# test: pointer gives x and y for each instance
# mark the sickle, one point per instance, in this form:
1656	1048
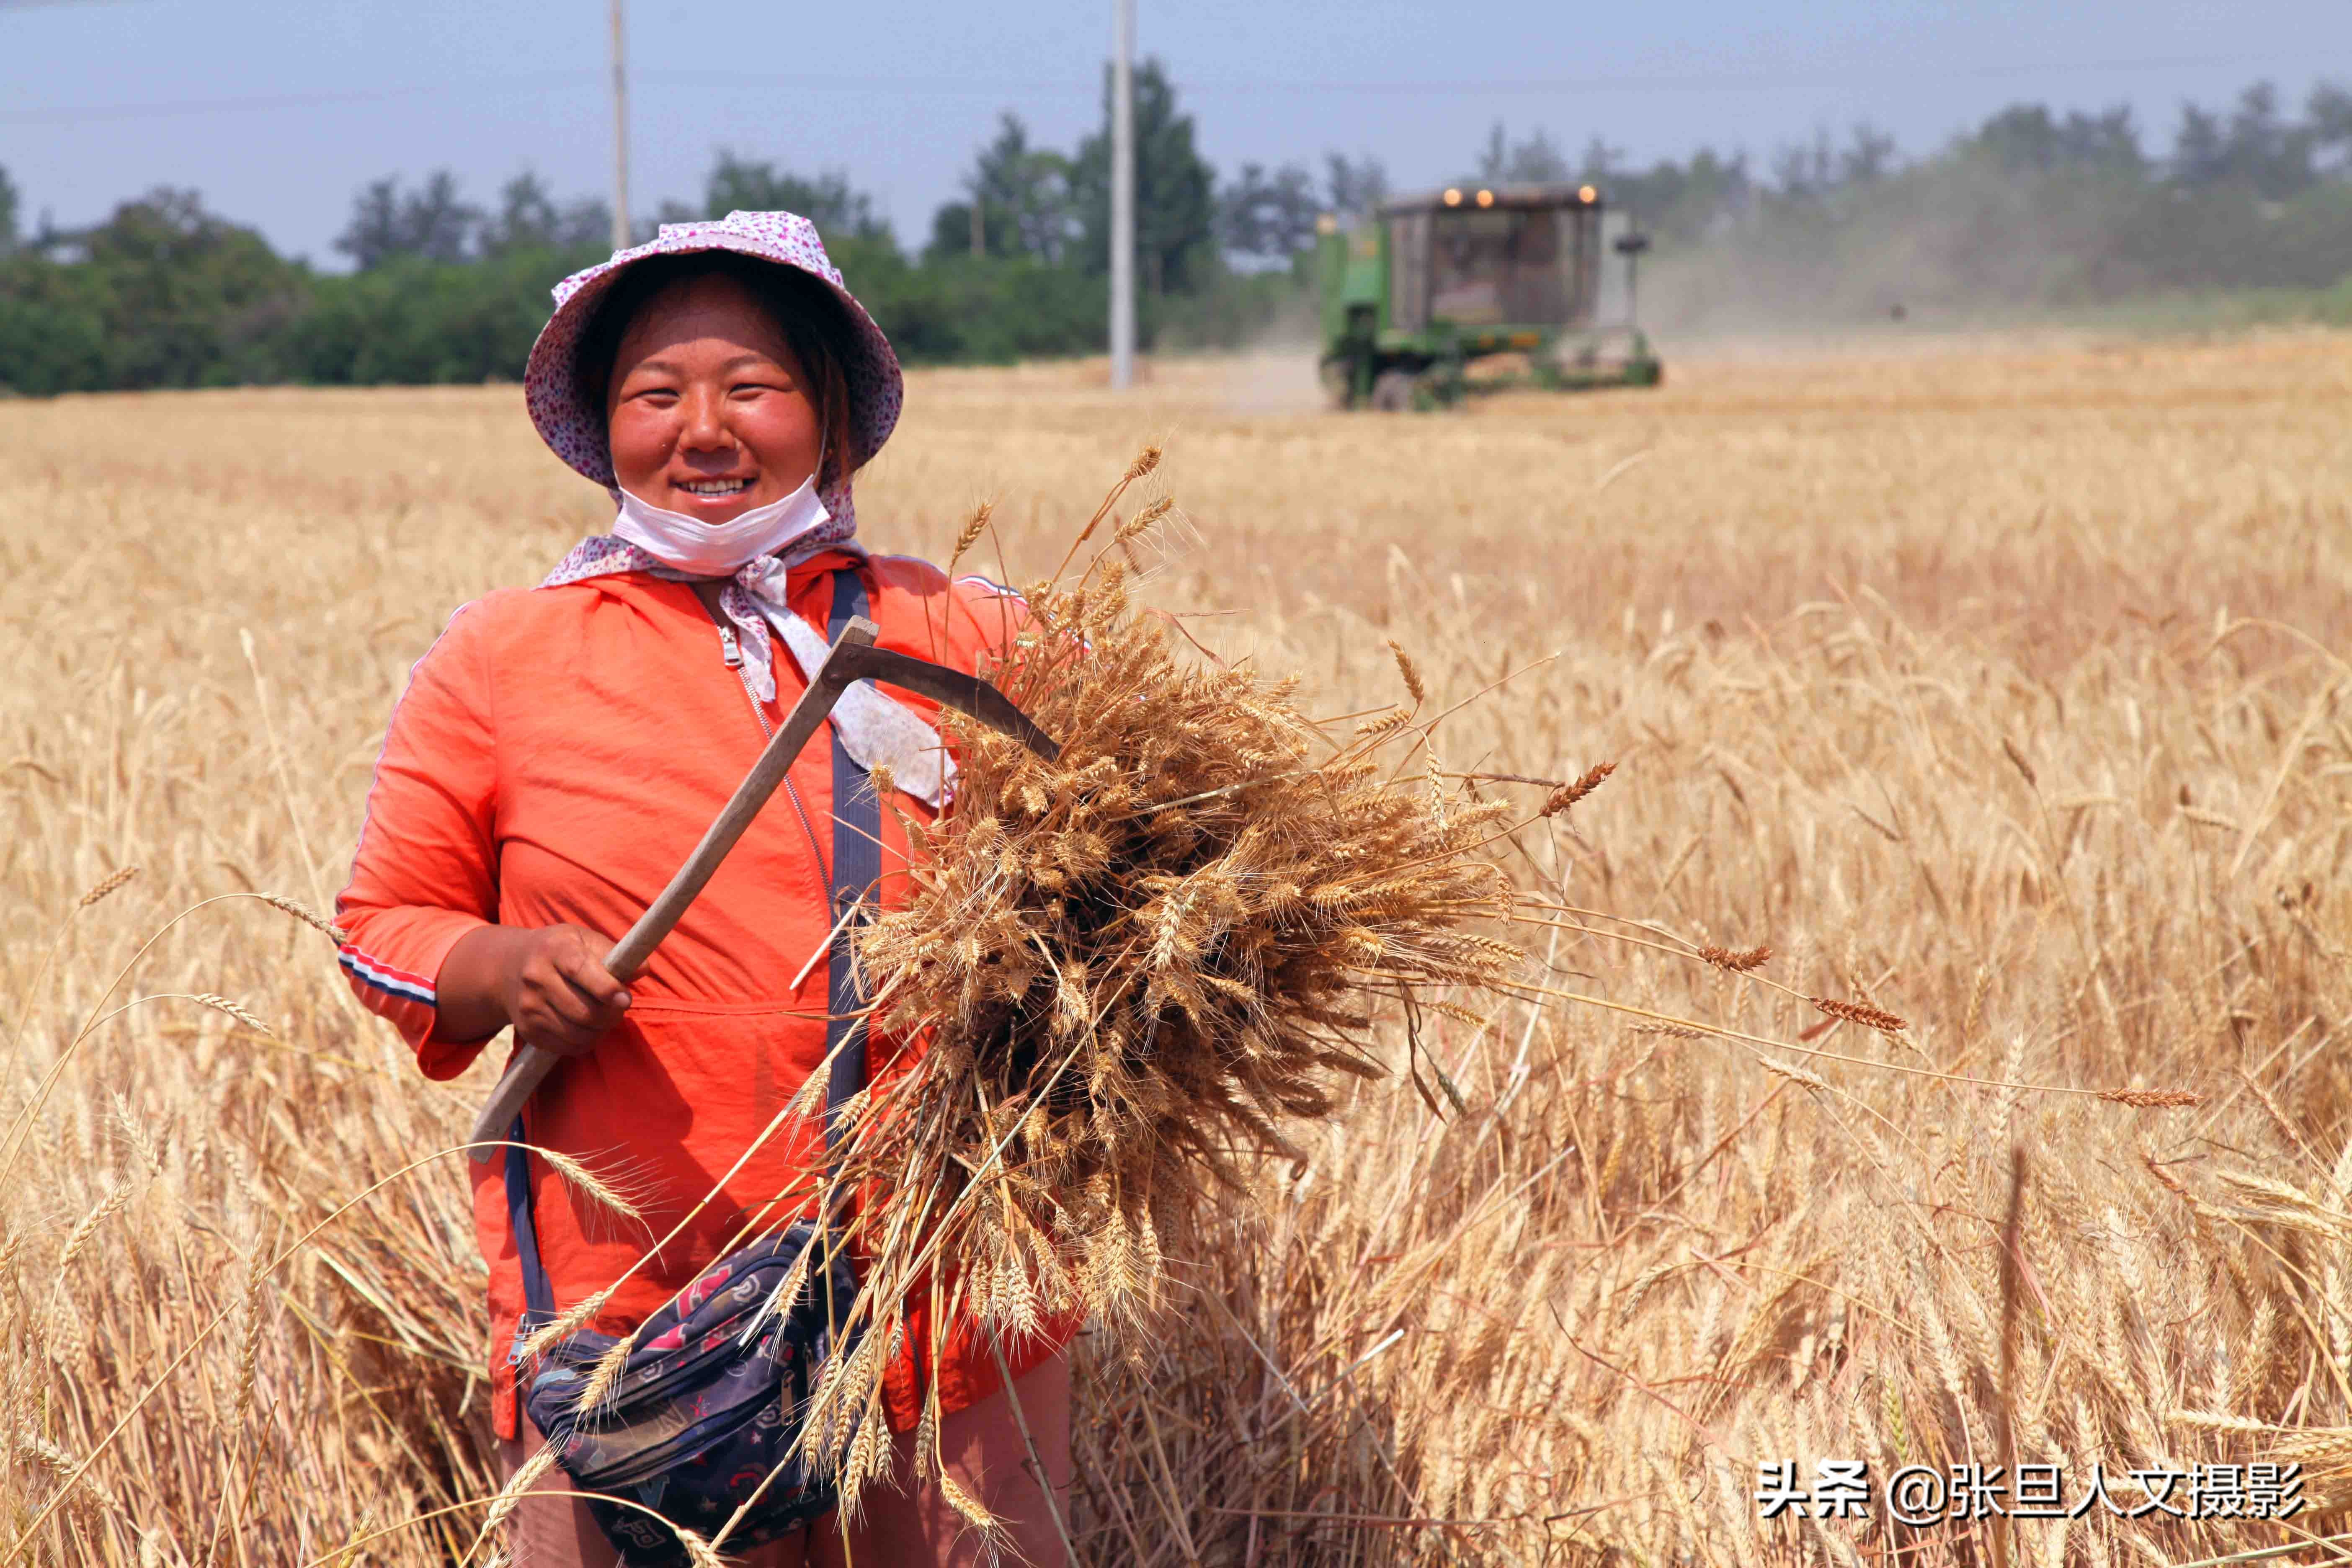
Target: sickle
852	658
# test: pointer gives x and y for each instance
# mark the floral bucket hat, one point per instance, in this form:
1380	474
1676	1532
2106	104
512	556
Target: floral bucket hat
571	417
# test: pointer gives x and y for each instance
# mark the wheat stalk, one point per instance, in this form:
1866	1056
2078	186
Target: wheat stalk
118	1197
307	915
108	885
235	1009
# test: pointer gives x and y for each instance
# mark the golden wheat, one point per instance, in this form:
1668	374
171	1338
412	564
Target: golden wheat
1136	967
1995	688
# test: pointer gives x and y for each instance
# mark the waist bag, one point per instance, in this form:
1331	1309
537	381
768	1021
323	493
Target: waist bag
703	1410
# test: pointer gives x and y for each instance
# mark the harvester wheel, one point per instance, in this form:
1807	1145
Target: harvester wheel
1392	390
1339	379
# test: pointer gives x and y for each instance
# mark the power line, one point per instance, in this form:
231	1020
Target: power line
1596	83
581	76
967	87
1736	82
279	101
963	85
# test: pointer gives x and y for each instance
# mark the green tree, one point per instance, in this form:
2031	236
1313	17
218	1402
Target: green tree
1353	187
413	320
952	233
2253	147
2026	137
431	221
1534	161
2268	152
961	308
529	218
1268	216
188	298
2328	117
1175	202
1868	157
1023	195
10	201
52	327
1684	202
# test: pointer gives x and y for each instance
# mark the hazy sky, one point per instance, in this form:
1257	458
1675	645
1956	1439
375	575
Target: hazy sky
279	112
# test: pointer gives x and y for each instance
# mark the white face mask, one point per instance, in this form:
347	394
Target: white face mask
720	549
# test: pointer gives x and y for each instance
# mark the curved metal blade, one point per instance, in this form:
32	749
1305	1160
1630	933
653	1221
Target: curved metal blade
948	687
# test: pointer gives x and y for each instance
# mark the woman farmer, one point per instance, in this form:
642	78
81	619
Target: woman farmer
559	751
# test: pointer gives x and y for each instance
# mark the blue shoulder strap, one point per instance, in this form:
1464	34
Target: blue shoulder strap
539	1301
856	869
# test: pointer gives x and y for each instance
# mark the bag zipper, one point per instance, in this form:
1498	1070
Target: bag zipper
628	1406
628	1399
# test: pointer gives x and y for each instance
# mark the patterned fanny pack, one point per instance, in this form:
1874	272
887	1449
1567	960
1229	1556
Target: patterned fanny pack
716	1386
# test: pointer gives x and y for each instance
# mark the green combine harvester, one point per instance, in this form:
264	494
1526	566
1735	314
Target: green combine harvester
1465	291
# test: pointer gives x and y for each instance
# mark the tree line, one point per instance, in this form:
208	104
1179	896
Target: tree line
165	292
2031	208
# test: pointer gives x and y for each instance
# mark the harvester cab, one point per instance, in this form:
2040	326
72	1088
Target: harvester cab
1464	290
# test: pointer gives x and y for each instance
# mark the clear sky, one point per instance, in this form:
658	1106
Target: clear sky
278	111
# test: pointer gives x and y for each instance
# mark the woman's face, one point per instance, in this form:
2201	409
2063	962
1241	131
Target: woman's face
710	413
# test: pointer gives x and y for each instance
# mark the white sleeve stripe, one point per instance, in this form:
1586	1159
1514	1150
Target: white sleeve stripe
998	589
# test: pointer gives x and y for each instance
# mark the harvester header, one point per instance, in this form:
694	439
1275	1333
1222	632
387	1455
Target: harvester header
1472	289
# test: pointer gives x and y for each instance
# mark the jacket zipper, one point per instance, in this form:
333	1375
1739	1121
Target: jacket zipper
731	648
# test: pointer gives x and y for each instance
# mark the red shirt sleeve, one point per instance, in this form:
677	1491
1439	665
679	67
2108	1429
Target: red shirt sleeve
425	870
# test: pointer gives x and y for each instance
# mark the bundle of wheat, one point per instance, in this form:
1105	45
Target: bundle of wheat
1132	965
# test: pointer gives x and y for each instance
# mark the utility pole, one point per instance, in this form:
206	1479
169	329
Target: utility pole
620	135
1122	194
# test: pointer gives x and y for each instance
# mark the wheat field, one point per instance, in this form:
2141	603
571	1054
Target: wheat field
1994	683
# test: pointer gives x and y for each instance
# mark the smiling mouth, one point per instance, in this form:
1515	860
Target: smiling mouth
715	487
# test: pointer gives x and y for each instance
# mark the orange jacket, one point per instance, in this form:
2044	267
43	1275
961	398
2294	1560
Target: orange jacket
555	757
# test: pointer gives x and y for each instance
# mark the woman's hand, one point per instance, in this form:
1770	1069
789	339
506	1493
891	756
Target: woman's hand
548	982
